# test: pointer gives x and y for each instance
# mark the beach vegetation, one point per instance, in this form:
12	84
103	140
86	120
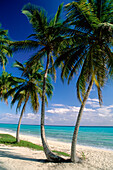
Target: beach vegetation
89	57
61	153
11	140
5	50
5	85
28	87
45	41
83	156
83	50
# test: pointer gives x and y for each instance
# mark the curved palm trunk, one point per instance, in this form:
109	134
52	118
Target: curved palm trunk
20	119
74	158
18	128
49	154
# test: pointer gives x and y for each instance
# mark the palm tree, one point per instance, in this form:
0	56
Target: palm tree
90	55
5	85
46	39
5	50
28	87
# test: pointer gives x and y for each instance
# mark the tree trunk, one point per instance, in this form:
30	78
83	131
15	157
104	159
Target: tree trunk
18	128
49	154
74	158
99	6
20	119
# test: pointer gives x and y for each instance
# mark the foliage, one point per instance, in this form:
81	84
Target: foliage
47	37
89	56
83	156
5	84
29	84
61	153
10	140
5	50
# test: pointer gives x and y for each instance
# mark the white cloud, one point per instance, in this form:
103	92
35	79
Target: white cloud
59	114
73	108
93	114
110	106
58	110
105	111
58	105
102	115
93	102
30	116
8	116
67	109
88	110
13	118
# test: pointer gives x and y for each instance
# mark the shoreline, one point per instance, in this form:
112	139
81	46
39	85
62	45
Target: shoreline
26	158
37	138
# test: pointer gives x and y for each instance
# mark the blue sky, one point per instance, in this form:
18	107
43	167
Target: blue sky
64	106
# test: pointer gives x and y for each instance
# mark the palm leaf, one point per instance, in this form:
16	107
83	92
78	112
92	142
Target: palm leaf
58	14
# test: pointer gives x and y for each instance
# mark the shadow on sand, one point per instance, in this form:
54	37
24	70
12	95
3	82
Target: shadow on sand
12	155
5	152
1	166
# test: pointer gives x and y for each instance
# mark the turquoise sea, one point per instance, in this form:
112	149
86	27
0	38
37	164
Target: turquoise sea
95	136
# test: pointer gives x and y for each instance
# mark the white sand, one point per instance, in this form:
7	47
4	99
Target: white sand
19	158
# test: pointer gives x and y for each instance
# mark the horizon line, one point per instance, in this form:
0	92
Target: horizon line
61	125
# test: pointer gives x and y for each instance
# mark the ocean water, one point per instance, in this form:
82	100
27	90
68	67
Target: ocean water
95	136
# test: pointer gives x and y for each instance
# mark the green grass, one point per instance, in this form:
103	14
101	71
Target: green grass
61	153
10	140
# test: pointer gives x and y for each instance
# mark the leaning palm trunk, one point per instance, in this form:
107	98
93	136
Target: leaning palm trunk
74	158
18	128
20	119
49	154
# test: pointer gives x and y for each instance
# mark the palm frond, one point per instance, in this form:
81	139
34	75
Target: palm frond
58	14
36	16
24	45
81	15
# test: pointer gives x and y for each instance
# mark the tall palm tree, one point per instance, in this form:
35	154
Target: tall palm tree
28	87
90	55
5	50
46	40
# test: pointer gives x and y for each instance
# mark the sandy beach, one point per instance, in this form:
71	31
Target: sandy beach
19	158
